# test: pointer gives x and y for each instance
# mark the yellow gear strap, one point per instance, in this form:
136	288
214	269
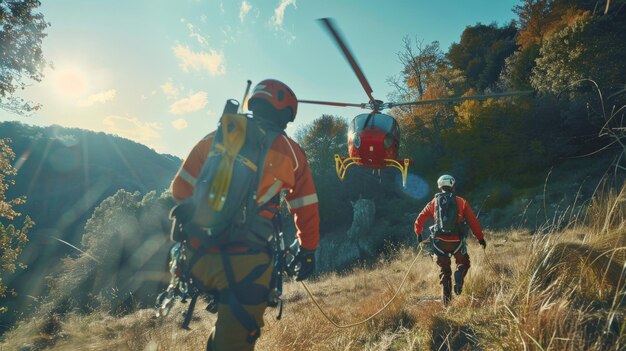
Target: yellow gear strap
233	129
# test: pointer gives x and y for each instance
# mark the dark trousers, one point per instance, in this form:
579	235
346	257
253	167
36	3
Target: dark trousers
444	262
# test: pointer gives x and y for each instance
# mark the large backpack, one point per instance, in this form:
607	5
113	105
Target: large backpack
446	215
223	206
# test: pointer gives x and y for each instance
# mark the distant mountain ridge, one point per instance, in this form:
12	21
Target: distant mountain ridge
65	173
72	170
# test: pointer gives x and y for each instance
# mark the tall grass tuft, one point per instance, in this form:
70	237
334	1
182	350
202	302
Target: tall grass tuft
571	292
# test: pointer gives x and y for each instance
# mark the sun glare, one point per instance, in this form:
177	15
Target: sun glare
70	82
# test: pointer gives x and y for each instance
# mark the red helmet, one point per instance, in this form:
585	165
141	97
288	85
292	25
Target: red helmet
278	94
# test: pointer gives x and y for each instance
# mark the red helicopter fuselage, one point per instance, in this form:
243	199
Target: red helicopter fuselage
373	138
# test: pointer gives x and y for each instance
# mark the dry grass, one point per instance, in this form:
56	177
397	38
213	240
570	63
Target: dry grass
557	291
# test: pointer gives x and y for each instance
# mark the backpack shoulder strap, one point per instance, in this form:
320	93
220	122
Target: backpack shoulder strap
268	139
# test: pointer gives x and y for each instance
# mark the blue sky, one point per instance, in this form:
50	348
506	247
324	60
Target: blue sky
159	71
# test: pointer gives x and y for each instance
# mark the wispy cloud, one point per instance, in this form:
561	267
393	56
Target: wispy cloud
278	19
197	34
192	103
244	10
179	124
212	61
98	98
228	34
279	12
132	128
170	90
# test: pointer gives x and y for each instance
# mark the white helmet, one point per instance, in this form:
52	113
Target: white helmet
445	180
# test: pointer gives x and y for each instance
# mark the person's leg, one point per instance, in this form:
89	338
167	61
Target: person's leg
251	298
445	278
228	332
462	266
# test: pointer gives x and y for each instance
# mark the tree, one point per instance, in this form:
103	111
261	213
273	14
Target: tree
493	140
12	238
481	52
422	125
123	249
420	63
321	140
534	18
592	47
515	74
21	57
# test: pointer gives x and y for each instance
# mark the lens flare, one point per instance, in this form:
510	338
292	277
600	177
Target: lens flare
416	186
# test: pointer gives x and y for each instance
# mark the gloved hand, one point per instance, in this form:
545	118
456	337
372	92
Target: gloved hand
482	243
303	264
419	239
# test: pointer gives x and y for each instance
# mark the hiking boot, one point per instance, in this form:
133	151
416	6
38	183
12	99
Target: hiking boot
446	291
458	282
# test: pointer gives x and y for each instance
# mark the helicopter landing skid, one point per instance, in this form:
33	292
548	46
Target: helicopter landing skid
341	166
403	167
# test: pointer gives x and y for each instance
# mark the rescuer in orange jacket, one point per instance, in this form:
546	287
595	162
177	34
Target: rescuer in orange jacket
452	243
286	168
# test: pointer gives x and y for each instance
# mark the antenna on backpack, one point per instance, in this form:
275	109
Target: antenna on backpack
244	101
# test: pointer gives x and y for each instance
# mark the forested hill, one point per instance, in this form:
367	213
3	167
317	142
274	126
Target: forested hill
65	173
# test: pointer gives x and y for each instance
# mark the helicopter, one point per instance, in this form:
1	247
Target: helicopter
374	137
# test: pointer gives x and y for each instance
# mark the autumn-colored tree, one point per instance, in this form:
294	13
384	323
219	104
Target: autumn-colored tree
21	58
534	18
12	237
422	125
539	19
420	63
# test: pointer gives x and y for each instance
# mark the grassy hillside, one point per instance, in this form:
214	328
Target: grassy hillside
559	291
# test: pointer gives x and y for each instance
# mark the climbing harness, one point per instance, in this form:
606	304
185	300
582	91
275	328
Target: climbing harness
182	284
458	248
373	315
281	253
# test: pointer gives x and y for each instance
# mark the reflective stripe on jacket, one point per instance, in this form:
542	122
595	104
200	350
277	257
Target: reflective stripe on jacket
286	167
465	212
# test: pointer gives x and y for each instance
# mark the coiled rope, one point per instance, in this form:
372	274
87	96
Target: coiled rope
373	315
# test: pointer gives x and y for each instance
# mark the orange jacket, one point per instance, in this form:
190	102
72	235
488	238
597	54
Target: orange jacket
286	167
465	212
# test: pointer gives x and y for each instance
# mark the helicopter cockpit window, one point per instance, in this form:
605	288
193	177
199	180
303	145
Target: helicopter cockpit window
381	121
395	130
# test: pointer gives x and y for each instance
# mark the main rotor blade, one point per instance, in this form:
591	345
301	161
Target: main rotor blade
342	104
461	98
348	55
